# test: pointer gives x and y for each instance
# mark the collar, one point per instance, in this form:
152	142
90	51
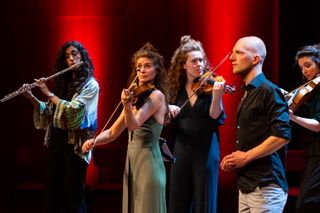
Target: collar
254	83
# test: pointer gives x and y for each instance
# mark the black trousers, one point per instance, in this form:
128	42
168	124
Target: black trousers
65	179
309	197
194	179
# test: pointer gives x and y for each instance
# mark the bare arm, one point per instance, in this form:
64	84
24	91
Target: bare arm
308	123
106	136
216	104
134	119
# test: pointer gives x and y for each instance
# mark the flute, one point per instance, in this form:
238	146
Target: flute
24	89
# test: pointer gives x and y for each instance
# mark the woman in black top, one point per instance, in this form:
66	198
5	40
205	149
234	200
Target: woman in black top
194	176
308	116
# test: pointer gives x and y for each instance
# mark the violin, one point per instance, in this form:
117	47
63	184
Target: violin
204	84
138	94
300	95
135	93
205	81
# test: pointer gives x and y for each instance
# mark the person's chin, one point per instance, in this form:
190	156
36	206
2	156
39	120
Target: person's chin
144	81
236	72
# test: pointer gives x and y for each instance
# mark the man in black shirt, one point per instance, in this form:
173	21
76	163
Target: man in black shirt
262	132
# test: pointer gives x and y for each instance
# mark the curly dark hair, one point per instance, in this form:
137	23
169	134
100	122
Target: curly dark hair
160	81
176	74
64	85
312	51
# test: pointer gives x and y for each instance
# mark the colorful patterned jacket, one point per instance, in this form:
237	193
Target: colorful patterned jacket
79	116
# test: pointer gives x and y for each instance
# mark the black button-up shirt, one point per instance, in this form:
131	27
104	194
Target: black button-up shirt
262	112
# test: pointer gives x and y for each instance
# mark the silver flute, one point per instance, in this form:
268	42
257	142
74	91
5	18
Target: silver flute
24	89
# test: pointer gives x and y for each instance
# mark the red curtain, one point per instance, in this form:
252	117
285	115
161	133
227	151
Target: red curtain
113	30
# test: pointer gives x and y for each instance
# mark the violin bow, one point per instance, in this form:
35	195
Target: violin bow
201	84
114	111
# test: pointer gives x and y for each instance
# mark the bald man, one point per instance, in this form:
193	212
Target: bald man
262	133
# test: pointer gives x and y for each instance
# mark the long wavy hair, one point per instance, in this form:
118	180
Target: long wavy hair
160	80
312	51
177	74
64	85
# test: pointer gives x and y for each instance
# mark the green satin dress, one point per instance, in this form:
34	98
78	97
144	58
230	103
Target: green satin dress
144	181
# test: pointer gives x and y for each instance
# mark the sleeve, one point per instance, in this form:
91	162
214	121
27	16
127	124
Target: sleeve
279	112
43	115
222	117
75	113
316	112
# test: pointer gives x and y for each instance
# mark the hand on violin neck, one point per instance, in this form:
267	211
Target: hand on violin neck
218	89
126	99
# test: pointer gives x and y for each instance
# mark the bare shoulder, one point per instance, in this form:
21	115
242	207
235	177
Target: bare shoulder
158	101
157	95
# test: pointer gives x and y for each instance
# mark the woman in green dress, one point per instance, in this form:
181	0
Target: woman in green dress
144	113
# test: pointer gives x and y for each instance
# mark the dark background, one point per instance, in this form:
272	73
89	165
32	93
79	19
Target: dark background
33	30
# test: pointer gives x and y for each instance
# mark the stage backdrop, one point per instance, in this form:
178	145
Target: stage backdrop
112	31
